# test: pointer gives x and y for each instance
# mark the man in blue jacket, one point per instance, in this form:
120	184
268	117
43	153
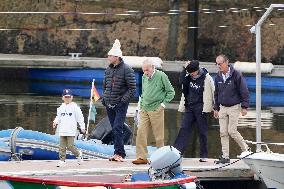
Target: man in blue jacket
119	87
198	90
231	98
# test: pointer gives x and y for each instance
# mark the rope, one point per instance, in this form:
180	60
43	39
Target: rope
271	143
44	185
213	169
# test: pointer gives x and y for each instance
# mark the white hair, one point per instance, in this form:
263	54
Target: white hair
149	62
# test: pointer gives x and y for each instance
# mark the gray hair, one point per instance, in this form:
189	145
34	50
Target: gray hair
148	62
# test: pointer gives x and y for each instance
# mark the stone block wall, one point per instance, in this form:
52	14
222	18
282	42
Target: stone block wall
142	26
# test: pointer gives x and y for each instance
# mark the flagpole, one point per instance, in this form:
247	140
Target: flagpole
90	107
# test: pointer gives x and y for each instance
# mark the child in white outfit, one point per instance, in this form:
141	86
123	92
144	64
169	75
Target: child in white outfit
68	115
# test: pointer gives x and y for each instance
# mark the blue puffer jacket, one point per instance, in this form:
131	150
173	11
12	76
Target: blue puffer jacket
119	84
233	91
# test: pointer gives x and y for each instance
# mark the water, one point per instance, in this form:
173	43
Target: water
21	108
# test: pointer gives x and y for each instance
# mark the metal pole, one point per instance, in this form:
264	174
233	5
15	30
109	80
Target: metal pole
258	71
90	108
258	86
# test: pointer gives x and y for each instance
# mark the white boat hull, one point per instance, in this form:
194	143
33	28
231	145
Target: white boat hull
269	167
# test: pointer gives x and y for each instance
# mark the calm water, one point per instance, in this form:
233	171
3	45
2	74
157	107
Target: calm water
20	108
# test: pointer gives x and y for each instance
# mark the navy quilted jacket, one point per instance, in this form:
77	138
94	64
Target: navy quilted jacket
119	84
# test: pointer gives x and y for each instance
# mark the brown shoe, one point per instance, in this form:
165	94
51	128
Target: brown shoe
140	161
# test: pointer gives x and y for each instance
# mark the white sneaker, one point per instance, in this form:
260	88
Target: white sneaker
80	157
244	154
203	160
61	164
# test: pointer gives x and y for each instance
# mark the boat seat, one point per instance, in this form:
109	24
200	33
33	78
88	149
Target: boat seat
75	55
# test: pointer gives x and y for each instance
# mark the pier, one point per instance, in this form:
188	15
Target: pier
57	62
205	171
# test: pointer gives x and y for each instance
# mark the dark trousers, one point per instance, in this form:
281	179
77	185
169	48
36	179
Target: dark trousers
116	118
193	114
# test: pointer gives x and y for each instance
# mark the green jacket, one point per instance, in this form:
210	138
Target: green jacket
155	91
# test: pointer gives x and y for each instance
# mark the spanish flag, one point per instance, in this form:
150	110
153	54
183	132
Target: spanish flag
96	95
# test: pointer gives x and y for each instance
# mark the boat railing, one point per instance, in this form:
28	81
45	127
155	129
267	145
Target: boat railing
265	144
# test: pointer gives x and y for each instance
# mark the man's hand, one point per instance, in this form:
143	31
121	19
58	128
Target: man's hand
216	114
83	131
54	125
244	111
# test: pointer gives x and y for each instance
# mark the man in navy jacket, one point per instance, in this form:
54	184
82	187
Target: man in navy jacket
231	98
119	87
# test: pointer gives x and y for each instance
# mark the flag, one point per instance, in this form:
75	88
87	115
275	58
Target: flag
93	113
96	95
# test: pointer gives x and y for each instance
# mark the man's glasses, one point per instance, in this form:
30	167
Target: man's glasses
219	64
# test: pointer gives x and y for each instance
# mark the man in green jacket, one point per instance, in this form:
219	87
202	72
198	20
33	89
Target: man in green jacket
156	91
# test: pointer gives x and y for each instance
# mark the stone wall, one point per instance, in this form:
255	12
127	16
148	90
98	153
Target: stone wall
142	33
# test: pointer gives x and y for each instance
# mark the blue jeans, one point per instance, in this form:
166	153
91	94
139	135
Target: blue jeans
116	118
193	114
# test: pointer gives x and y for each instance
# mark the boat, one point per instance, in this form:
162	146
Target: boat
165	172
268	98
268	166
34	145
91	181
5	152
78	89
72	74
53	80
267	83
272	96
88	72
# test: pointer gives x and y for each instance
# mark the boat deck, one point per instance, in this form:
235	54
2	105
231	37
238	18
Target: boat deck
204	171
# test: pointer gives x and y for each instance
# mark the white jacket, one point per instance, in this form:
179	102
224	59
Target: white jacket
68	115
208	94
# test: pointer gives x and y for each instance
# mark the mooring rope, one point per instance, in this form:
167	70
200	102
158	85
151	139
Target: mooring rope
227	164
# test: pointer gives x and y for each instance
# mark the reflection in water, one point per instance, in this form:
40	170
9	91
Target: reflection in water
38	112
249	120
31	110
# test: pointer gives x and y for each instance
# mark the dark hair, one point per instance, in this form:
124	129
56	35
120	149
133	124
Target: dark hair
192	66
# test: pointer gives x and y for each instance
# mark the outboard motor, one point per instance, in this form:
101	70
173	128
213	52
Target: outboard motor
165	163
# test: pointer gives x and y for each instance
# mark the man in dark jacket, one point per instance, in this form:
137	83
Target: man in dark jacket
198	90
231	98
118	88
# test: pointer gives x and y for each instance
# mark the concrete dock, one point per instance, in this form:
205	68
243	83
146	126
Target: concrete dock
44	61
204	171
